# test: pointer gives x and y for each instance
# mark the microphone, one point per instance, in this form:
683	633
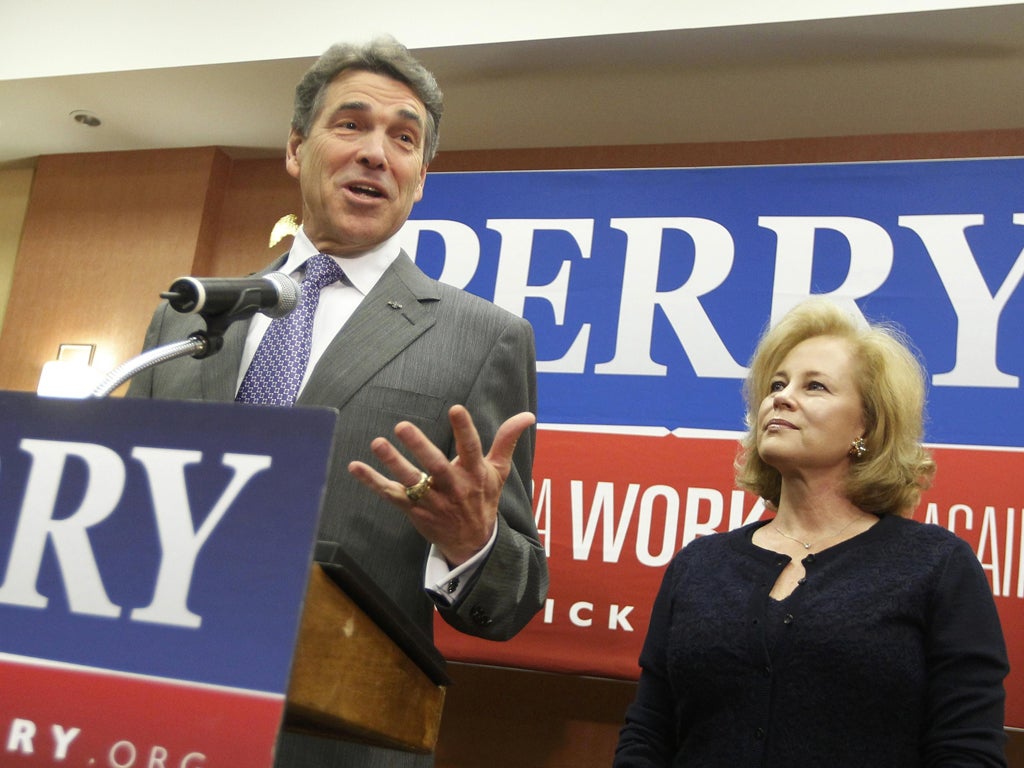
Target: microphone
274	294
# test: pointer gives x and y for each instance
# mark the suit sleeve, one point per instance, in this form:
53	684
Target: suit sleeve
141	384
511	585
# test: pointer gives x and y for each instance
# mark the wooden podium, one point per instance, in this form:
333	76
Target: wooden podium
360	672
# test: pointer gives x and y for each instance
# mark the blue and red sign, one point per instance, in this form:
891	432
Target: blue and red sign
648	290
153	563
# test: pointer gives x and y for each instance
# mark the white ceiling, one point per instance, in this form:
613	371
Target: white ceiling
940	70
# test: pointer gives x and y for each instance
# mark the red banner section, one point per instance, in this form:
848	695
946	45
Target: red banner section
62	715
614	508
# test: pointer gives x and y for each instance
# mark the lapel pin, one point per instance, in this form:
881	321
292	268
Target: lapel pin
394	305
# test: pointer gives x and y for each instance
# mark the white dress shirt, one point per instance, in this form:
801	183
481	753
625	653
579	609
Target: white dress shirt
338	301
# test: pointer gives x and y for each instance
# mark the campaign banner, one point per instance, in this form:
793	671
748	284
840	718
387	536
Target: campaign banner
648	290
154	558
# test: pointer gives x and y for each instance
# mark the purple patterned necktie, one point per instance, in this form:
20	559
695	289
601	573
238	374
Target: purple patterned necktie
279	365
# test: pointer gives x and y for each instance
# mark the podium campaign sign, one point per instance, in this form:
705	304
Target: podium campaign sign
154	557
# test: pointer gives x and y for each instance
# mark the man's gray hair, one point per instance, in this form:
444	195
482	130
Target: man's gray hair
382	56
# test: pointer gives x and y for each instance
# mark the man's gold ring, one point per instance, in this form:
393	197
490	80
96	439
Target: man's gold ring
419	490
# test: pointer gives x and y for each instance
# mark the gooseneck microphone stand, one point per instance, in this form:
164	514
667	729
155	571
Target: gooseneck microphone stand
199	344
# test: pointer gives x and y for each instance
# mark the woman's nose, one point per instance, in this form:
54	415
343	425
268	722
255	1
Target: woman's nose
781	398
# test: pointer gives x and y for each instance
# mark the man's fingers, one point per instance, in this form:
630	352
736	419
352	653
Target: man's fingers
404	471
430	458
370	477
448	478
505	440
467	439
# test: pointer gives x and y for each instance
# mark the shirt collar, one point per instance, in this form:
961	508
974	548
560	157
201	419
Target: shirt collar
362	271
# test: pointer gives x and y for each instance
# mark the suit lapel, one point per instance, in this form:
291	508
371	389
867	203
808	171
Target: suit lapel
220	372
395	313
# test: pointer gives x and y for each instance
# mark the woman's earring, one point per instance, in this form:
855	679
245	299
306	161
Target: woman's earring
858	448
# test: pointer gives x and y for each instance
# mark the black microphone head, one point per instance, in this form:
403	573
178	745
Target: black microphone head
185	295
275	295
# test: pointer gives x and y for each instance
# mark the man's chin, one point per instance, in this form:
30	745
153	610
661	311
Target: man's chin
352	237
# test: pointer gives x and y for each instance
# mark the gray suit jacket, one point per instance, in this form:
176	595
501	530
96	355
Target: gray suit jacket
413	348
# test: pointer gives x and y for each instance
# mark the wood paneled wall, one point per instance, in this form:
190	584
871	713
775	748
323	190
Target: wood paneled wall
835	149
105	233
15	186
507	718
102	232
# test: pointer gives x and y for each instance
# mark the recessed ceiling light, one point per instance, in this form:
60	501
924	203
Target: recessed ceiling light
85	118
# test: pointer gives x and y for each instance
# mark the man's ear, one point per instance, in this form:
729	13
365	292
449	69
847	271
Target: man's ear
293	152
423	180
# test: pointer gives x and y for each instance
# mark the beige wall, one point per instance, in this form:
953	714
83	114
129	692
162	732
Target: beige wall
15	187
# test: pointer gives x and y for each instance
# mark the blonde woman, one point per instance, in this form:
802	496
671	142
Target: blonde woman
838	632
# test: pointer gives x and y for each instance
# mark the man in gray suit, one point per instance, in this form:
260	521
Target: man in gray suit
395	352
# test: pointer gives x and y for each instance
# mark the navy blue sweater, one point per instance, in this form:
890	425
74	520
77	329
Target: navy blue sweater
889	655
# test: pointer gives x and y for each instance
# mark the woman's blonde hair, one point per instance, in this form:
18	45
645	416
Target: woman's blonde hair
895	469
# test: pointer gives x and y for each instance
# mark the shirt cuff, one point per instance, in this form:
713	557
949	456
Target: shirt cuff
444	583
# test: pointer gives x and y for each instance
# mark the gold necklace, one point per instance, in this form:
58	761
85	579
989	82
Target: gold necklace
809	544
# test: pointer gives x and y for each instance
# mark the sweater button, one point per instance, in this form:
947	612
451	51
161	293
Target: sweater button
759	734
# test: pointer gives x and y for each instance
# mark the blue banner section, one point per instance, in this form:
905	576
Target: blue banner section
648	289
159	538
